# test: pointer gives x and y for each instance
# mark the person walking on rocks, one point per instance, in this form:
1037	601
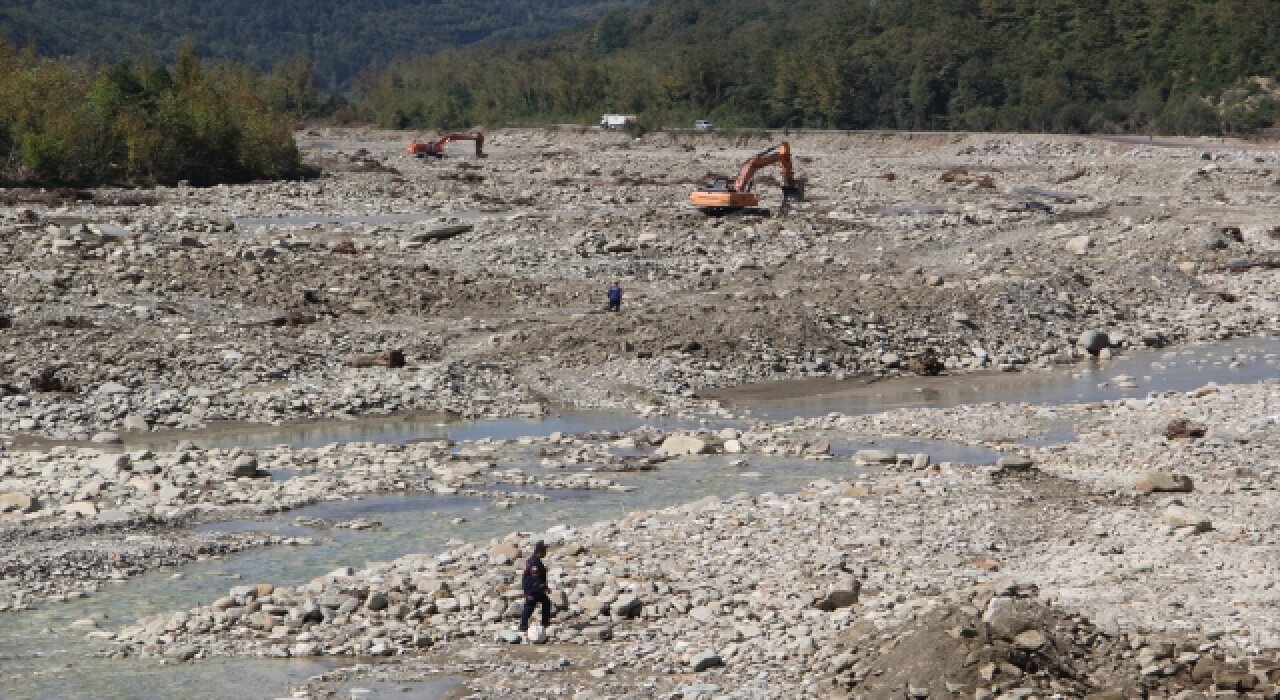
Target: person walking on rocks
534	583
615	298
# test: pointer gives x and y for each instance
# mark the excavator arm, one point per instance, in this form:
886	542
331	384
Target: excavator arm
780	154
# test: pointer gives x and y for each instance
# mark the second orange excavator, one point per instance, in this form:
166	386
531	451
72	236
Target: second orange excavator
723	197
435	148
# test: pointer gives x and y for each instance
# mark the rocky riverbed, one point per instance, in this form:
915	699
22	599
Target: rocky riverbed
1133	560
1121	547
473	286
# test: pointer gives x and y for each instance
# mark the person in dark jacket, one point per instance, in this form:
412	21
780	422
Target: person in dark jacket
615	297
534	583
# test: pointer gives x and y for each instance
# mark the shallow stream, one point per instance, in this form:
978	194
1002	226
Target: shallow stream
42	657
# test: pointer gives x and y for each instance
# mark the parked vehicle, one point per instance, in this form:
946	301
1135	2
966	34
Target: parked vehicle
616	121
703	125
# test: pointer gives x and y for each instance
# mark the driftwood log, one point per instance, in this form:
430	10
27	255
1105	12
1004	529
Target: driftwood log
389	358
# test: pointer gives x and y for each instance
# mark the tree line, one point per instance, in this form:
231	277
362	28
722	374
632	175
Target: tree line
1135	66
1166	66
339	38
146	123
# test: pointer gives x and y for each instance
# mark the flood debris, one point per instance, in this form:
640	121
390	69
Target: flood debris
962	176
387	358
1073	176
441	233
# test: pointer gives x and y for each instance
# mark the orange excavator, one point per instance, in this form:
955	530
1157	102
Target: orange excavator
435	148
723	197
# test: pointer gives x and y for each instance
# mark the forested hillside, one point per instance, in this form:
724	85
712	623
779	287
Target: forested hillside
1173	66
141	124
340	38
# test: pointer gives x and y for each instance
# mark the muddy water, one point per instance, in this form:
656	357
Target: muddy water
1242	361
41	657
388	430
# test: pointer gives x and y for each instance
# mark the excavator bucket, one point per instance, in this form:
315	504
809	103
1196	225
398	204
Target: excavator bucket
794	193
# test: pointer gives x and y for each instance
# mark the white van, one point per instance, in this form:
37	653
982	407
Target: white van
703	125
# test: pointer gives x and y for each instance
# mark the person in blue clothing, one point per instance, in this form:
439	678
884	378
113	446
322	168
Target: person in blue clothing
615	297
534	583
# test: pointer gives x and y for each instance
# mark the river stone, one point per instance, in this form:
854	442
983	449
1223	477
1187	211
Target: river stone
873	456
1093	341
1177	516
1079	245
504	550
507	636
592	605
1031	640
16	501
627	606
80	509
705	661
448	605
135	423
1006	618
1157	481
245	465
1015	463
677	445
110	462
182	652
835	600
376	601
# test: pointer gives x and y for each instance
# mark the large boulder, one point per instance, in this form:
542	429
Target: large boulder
627	605
702	662
1179	516
1093	341
1015	463
245	465
837	599
1078	245
16	501
1163	482
677	445
875	456
1006	617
